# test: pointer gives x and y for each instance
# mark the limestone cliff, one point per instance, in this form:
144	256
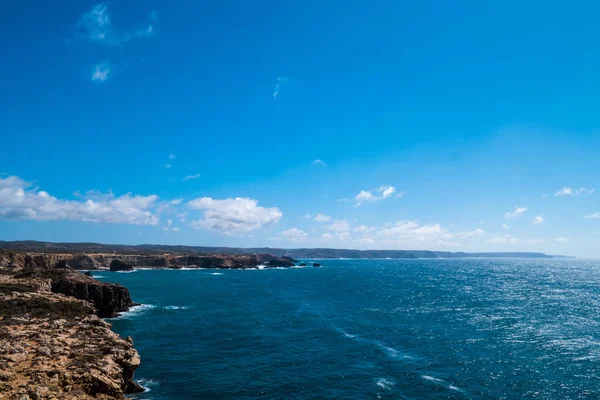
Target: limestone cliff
104	261
55	346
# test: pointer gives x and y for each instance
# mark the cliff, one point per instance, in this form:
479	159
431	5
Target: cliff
116	262
55	346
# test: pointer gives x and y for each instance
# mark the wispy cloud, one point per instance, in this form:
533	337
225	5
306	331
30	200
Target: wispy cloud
172	156
382	193
280	80
96	26
187	178
168	165
101	72
568	191
595	215
505	226
519	211
503	239
538	219
562	240
534	241
294	235
319	162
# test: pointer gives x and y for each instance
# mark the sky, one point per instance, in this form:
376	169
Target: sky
458	126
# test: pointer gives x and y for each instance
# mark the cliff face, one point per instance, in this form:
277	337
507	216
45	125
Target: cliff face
54	346
117	261
108	298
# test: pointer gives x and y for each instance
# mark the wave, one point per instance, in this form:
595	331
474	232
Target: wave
176	307
126	272
385	383
135	311
216	273
390	351
147	384
441	382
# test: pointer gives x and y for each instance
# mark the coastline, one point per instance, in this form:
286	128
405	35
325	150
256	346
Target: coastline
55	342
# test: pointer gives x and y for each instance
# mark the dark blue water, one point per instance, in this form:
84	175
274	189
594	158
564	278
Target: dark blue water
367	329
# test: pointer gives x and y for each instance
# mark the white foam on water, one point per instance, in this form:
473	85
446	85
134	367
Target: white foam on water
147	384
125	272
216	273
98	276
431	378
135	311
441	382
176	307
261	266
385	383
392	352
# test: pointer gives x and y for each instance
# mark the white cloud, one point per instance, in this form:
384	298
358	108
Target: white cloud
534	241
170	227
319	162
293	235
568	191
519	211
505	226
595	215
101	72
338	235
364	196
231	216
561	240
384	192
167	165
339	225
538	219
187	178
96	26
280	80
364	229
322	218
387	191
410	232
172	156
20	202
473	233
365	241
503	239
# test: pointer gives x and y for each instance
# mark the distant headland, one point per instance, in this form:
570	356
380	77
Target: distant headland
51	247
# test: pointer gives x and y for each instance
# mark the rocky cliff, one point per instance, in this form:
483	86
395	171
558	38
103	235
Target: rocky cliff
55	346
109	299
118	261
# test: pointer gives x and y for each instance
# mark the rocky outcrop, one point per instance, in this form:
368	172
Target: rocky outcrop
118	265
109	299
55	346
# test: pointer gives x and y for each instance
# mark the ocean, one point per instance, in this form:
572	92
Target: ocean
368	329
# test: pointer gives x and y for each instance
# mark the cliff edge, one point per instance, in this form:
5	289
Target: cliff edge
53	345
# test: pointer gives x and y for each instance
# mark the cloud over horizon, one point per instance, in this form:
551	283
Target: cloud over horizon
20	201
233	215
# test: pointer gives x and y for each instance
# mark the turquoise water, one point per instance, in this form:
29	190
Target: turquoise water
368	329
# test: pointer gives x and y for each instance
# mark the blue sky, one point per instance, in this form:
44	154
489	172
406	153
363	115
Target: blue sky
465	126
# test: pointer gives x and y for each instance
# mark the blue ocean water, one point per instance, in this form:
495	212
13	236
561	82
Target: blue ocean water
369	329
